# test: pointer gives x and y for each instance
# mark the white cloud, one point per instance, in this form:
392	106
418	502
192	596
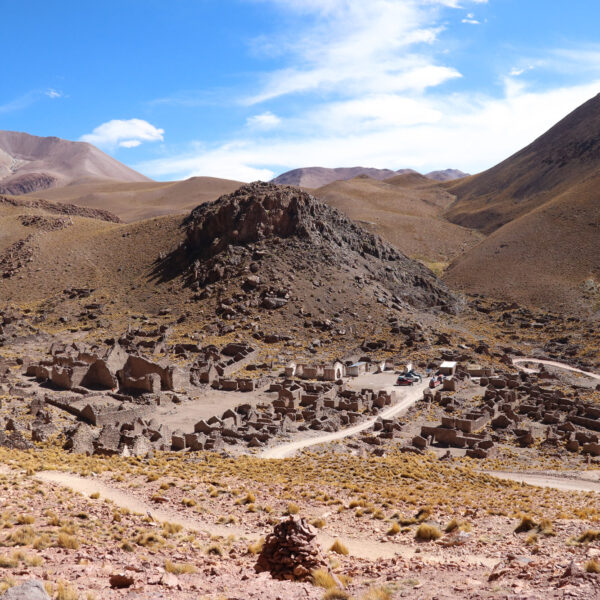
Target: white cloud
51	93
470	133
356	46
266	120
123	133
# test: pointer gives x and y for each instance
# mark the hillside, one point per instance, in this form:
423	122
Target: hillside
406	211
542	206
136	201
561	159
29	163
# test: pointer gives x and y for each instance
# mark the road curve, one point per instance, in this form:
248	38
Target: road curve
555	481
412	394
552	363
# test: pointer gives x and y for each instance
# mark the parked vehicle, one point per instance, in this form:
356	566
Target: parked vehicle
408	379
435	381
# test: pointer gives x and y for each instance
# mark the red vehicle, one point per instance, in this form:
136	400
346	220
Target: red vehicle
407	379
436	380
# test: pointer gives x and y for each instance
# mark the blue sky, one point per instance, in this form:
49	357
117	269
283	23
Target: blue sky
246	89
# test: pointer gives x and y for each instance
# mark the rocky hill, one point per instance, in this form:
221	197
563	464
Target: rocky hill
29	163
273	233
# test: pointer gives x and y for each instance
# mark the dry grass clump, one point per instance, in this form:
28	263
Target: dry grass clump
456	524
427	533
23	536
591	535
323	578
338	548
25	520
169	529
179	568
188	502
592	566
527	524
336	594
65	592
292	509
257	546
64	540
318	523
378	593
215	550
394	529
149	538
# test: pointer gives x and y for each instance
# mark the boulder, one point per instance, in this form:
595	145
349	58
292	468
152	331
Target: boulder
30	590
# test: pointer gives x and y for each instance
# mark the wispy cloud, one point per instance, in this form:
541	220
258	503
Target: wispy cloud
355	46
471	20
124	134
28	99
264	121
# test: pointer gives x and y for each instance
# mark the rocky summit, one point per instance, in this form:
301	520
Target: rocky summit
291	231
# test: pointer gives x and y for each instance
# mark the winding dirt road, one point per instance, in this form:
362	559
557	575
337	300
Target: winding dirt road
550	480
411	395
369	549
551	363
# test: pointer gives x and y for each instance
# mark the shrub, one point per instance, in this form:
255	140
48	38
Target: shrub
292	509
427	533
394	529
323	578
527	524
591	535
336	594
338	548
65	540
592	566
257	546
179	568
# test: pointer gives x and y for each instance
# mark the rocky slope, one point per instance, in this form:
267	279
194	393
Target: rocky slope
29	163
542	206
293	234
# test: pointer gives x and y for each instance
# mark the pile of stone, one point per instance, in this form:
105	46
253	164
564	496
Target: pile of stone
290	552
216	367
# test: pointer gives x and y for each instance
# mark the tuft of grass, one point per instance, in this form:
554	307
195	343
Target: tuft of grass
188	502
336	594
65	592
215	549
319	523
65	540
378	593
394	529
323	578
527	524
591	535
592	566
25	520
179	568
257	546
292	509
149	538
171	528
545	528
427	533
95	495
338	548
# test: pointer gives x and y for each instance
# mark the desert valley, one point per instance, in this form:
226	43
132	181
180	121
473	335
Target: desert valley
344	383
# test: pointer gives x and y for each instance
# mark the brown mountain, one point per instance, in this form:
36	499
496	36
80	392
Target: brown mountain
316	177
134	201
406	210
543	206
557	161
446	175
29	163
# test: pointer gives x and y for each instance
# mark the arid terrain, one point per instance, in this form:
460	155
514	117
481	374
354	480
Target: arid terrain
364	388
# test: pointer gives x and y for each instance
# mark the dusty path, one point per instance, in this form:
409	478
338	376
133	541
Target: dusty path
370	549
555	481
552	363
411	395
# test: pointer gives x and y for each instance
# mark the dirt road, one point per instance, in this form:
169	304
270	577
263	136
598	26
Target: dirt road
550	480
410	396
551	363
369	549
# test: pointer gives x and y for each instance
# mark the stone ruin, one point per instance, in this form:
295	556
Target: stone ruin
290	552
298	407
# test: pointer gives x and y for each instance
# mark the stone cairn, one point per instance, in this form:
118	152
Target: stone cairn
289	552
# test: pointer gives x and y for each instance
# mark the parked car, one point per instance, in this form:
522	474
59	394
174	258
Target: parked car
408	379
436	380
